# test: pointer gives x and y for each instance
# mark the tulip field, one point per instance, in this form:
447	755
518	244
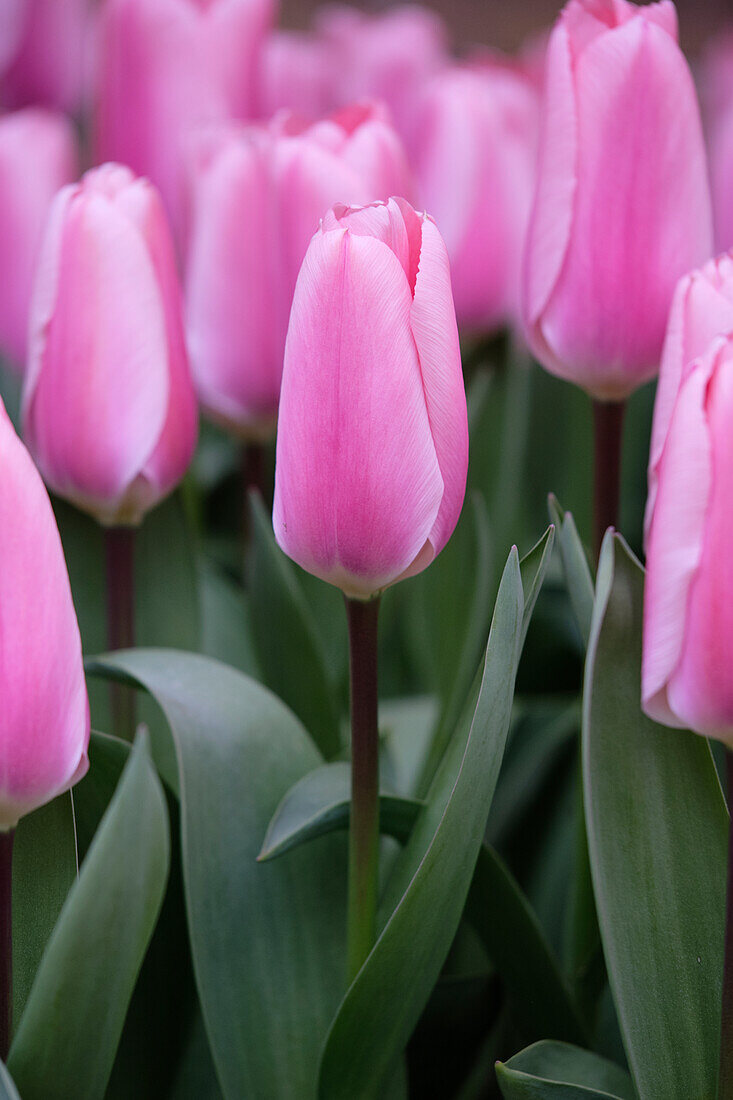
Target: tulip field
366	598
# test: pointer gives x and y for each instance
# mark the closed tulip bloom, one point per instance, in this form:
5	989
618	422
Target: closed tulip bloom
44	728
166	67
372	443
257	197
109	412
475	167
37	157
622	206
296	74
45	45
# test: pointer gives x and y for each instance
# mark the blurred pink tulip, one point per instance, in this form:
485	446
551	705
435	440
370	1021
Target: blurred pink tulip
622	206
37	157
385	57
372	442
688	612
43	52
257	197
44	733
717	98
166	67
296	74
475	168
109	412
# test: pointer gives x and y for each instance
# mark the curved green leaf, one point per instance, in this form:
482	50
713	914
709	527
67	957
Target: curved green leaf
657	836
558	1071
432	875
509	930
320	803
578	577
68	1035
288	648
267	939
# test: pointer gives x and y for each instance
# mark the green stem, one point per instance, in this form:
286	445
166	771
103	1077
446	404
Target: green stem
608	422
364	822
725	1072
120	555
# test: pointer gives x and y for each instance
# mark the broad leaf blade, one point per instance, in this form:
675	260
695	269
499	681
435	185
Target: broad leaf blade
558	1071
68	1035
657	836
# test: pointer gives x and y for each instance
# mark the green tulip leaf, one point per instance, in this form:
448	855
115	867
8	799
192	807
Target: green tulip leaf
320	803
578	577
509	930
107	758
558	1071
288	648
657	837
267	939
8	1090
44	870
427	888
67	1037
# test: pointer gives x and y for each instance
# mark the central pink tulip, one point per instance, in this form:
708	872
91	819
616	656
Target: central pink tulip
44	713
109	411
622	206
372	443
257	197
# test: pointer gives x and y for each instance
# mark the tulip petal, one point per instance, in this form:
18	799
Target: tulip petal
44	715
358	485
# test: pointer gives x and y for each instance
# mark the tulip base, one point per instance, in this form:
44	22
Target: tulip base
608	423
6	940
364	822
120	555
725	1072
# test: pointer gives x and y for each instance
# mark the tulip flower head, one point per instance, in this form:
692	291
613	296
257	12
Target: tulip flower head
688	612
44	711
372	444
258	194
109	411
622	206
43	52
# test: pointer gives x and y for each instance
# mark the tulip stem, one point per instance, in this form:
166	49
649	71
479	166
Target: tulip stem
725	1072
6	940
364	823
120	554
608	422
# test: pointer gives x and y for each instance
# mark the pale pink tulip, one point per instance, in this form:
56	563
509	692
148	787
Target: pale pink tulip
296	74
109	411
257	197
166	67
622	207
44	731
372	442
43	52
37	157
475	168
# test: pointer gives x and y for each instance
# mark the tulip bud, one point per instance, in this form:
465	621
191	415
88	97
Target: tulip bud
257	197
44	732
37	157
109	412
166	67
622	206
475	167
372	443
44	52
296	74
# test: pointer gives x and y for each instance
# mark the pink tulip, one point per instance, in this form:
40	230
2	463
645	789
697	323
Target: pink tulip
37	157
475	166
385	57
688	612
622	206
296	74
257	197
372	442
717	89
166	67
44	732
43	52
108	407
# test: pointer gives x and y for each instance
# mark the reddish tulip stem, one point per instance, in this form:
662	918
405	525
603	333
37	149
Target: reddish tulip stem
6	940
725	1072
120	554
608	422
254	469
364	823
